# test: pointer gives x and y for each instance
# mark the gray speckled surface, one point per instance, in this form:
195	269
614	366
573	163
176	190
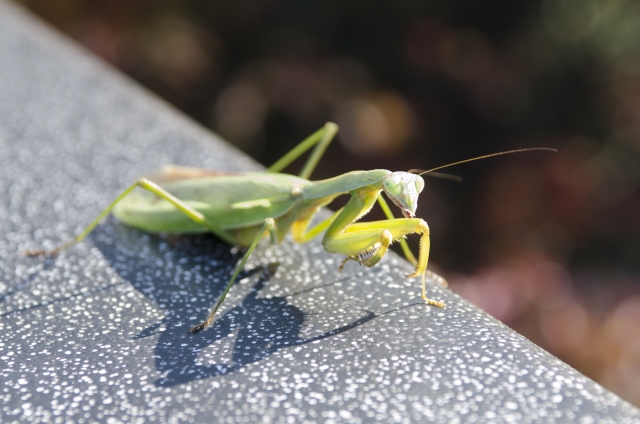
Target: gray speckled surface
99	333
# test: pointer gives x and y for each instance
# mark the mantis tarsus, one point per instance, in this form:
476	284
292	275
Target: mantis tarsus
241	208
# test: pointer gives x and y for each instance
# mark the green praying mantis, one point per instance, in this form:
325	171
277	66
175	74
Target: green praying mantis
242	208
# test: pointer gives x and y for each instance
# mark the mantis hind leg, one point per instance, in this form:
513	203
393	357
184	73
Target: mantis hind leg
160	192
269	225
321	139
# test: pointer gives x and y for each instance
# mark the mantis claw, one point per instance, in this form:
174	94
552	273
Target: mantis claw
428	301
431	302
341	267
32	253
198	328
51	252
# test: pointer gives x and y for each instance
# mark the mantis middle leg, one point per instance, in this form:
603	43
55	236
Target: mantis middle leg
270	226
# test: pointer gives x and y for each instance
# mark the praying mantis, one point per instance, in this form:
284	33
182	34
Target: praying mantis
242	208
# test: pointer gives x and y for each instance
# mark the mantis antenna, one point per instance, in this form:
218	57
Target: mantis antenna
421	172
442	175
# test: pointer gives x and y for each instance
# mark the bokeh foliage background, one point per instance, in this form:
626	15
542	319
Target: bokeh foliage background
547	243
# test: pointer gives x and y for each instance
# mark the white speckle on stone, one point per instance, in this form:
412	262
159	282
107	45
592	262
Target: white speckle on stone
99	333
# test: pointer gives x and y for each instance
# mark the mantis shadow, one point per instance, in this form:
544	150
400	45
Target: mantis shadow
184	280
260	327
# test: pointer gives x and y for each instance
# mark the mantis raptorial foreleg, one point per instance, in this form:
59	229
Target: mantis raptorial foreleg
368	242
403	243
407	252
157	190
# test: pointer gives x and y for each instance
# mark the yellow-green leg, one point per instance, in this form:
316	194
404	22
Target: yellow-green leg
403	243
269	225
368	242
407	252
361	238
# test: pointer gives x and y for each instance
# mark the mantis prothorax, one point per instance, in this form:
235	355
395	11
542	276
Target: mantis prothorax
241	208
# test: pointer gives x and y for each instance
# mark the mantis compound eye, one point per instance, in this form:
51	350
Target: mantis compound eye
419	184
392	187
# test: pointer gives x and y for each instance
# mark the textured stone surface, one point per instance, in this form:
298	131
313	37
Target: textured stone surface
100	332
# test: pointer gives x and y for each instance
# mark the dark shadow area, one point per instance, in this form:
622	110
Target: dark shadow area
260	327
184	277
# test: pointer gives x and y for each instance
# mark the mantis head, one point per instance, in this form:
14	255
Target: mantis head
403	189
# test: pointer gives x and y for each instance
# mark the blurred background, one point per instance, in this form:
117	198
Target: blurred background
547	243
